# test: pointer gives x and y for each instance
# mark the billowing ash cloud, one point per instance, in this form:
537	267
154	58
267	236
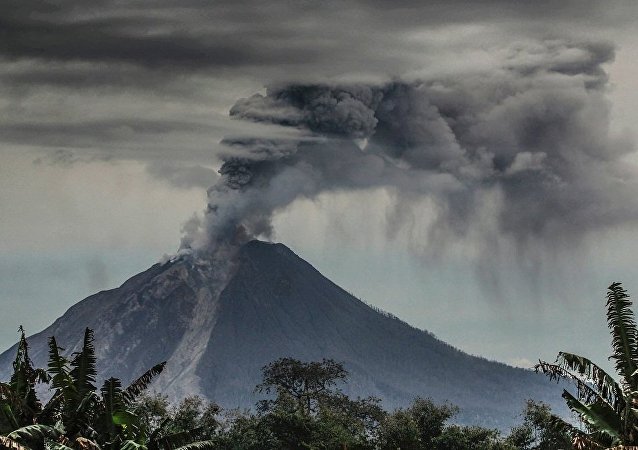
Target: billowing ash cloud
532	137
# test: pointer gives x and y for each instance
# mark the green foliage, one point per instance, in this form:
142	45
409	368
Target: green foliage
620	319
36	437
74	400
244	431
456	437
399	430
307	383
162	427
430	419
194	413
310	411
200	445
306	410
541	430
153	414
77	415
604	405
19	405
138	386
423	426
83	371
10	444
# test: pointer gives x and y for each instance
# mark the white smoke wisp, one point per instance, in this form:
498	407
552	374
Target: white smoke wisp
533	137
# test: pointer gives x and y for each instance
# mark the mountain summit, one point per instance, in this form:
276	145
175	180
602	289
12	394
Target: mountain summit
218	328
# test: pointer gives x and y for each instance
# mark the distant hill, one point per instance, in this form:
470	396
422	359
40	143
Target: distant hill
218	331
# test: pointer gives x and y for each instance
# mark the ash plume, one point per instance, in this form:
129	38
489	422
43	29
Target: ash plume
528	145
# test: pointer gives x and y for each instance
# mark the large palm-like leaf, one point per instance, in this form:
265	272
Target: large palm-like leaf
35	432
605	386
36	436
83	370
199	445
111	403
65	398
74	385
8	420
605	405
138	386
175	440
10	444
620	319
58	367
132	445
598	415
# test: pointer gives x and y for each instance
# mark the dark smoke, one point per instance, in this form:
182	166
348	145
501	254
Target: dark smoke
530	141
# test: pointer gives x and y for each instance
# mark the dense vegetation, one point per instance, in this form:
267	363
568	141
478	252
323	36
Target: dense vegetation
304	408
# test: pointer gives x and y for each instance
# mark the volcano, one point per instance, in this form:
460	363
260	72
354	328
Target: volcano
218	328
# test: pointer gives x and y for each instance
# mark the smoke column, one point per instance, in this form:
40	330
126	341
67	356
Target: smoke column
532	137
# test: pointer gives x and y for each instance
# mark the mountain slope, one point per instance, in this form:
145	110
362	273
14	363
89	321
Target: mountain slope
217	328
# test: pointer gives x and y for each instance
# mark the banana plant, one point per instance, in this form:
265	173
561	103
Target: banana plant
77	416
607	406
73	383
19	404
104	417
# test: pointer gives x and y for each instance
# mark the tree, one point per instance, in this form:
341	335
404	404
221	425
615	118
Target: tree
306	384
540	430
244	431
194	412
353	423
152	411
606	406
193	419
430	419
399	430
455	437
423	426
310	411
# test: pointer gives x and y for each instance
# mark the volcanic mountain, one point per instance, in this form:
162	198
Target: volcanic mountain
218	328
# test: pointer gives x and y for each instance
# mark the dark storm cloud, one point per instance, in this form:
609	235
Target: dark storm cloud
179	36
533	137
344	113
87	47
186	35
59	60
114	40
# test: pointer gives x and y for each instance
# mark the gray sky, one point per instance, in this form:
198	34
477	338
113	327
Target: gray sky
111	118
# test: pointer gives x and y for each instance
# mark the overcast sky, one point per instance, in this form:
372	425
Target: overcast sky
112	114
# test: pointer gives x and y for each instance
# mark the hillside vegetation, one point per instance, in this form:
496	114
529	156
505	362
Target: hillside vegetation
303	408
